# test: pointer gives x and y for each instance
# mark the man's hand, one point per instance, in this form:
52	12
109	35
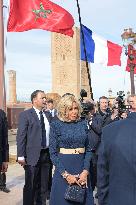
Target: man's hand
22	162
4	167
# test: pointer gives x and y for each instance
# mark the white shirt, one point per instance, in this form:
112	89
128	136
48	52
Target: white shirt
52	112
47	125
47	128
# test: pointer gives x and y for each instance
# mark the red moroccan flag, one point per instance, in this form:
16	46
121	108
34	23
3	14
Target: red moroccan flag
39	14
131	51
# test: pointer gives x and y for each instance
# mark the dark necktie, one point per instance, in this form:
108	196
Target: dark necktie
51	113
43	129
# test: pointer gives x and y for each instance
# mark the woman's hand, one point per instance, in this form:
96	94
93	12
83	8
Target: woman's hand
83	178
72	179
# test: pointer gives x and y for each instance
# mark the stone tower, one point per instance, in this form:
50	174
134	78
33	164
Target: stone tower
12	86
66	73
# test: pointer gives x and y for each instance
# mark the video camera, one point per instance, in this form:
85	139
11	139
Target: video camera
86	106
121	103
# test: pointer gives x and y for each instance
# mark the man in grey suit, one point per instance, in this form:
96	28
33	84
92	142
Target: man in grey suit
33	151
117	161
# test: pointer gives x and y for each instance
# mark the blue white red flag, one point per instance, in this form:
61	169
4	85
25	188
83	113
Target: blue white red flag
99	50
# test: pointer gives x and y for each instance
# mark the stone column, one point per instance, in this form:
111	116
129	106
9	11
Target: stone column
12	86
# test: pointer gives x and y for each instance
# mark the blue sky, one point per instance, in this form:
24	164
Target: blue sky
29	53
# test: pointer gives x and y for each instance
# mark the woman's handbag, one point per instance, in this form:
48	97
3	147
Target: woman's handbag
75	193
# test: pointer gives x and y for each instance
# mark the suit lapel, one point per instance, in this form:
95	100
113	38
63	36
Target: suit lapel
48	115
33	113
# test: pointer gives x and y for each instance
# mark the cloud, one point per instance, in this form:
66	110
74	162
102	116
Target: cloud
29	42
107	18
103	78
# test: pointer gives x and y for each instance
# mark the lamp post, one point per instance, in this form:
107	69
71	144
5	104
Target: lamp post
110	92
129	42
128	93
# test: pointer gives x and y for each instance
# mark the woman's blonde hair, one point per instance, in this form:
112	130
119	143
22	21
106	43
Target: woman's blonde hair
65	104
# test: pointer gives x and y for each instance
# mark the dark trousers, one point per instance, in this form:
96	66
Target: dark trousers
93	171
2	180
36	181
50	181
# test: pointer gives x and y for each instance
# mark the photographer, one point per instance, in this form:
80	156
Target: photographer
95	121
95	127
123	109
116	161
105	113
104	116
94	124
122	112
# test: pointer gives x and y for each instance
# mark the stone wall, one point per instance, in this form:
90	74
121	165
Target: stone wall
68	73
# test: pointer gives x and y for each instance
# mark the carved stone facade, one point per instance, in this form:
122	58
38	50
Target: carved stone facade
55	97
66	72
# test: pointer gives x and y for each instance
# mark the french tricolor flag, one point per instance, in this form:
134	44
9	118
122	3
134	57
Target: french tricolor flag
99	50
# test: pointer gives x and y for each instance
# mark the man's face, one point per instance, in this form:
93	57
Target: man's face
124	115
132	102
40	100
103	104
50	106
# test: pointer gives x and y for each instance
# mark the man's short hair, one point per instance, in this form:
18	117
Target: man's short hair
68	94
133	95
50	101
103	97
35	93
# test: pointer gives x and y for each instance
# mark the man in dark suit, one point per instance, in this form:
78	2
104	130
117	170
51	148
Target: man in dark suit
105	113
117	161
50	108
4	149
33	151
94	135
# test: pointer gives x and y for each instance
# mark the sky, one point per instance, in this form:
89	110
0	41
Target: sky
29	53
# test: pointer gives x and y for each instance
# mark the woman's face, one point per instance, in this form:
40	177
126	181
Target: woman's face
73	112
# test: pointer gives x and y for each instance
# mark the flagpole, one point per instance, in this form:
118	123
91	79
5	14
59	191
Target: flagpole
132	67
2	80
83	38
129	41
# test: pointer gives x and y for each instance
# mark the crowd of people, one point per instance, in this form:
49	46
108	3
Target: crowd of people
67	155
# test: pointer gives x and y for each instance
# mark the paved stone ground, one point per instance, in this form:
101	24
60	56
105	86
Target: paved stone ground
15	182
15	178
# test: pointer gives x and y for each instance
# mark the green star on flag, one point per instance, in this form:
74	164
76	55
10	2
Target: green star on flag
41	12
